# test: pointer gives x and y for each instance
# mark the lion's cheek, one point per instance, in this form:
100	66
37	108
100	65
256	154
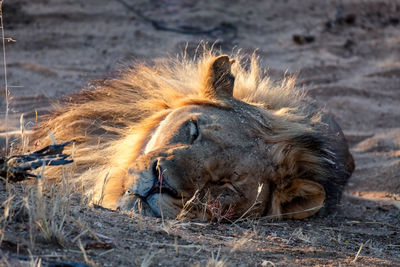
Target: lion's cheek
254	201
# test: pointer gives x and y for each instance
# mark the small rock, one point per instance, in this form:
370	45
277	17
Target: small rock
303	39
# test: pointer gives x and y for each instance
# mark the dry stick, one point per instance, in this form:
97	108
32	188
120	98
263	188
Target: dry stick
24	138
5	72
86	228
359	251
186	206
160	179
79	236
85	257
107	251
170	245
47	256
379	223
178	246
291	213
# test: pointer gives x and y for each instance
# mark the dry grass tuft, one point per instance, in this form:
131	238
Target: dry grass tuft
48	213
216	261
9	207
148	259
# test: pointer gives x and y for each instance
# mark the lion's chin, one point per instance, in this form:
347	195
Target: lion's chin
164	205
155	205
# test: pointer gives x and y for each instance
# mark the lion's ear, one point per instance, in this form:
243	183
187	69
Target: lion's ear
218	80
301	199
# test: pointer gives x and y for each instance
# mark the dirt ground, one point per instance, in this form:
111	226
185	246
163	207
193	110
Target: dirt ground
345	53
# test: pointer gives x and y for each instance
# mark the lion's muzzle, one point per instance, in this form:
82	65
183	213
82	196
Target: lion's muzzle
143	197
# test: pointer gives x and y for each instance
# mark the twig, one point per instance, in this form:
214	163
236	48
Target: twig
5	73
79	236
268	217
86	228
85	257
187	206
170	245
379	223
176	245
359	251
16	168
107	251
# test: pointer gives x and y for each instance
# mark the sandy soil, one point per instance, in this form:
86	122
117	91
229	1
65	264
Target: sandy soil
347	56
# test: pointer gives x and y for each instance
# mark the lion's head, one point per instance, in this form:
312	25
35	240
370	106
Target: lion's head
220	152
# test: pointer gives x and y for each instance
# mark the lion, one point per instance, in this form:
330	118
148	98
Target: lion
206	136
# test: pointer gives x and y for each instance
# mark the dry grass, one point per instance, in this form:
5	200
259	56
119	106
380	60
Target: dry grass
187	206
359	251
299	235
47	206
255	203
48	212
87	260
5	74
8	207
24	137
148	259
216	260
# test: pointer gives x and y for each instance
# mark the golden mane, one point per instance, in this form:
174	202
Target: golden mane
111	122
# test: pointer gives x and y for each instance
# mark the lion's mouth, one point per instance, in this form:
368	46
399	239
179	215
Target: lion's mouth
150	201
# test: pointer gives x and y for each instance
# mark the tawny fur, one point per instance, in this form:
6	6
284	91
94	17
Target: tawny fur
112	123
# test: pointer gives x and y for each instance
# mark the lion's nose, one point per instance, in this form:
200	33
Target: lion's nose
160	184
158	174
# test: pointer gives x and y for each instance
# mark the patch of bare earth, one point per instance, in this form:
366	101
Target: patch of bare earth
346	55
